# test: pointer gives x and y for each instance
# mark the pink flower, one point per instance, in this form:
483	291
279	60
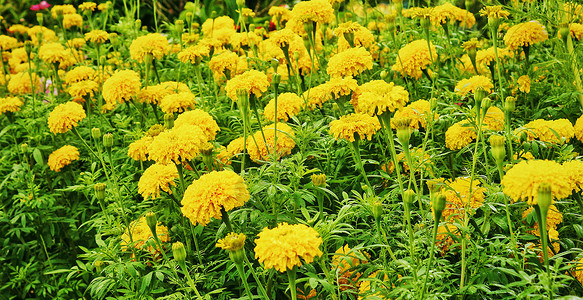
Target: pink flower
44	5
35	7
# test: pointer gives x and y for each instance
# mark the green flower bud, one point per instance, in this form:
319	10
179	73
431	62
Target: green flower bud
544	197
498	150
138	24
510	104
108	140
96	133
479	95
169	121
152	220
24	148
276	79
319	180
408	198
99	189
438	204
384	74
179	26
39	18
377	209
486	103
403	130
179	252
99	265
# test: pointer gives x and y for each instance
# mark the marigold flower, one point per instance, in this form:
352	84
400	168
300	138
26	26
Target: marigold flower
288	105
97	36
18	28
141	233
71	20
361	36
317	11
155	93
415	57
199	118
488	56
465	86
350	62
87	6
524	83
420	159
253	81
285	246
79	90
556	132
576	30
339	87
46	34
575	170
52	53
62	157
157	177
319	95
194	54
554	217
212	192
236	146
494	12
525	34
349	126
153	44
20	83
226	64
7	42
261	151
10	104
121	86
80	73
522	180
221	28
65	9
459	135
377	96
232	242
138	150
417	112
445	237
494	119
177	145
76	43
65	116
177	102
441	14
457	196
579	128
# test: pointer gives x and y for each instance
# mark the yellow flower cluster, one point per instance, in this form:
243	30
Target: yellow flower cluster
212	192
177	145
355	125
10	104
259	150
20	83
201	119
138	150
318	95
226	64
155	93
377	96
120	87
459	135
253	81
97	36
288	105
556	132
177	102
448	12
317	11
153	44
221	28
338	86
285	246
157	177
350	62
361	36
415	57
232	242
62	157
53	53
194	54
65	116
525	34
470	85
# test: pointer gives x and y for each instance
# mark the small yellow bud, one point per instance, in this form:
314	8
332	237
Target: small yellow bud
151	221
498	150
510	104
179	252
403	130
319	180
408	198
99	189
479	95
377	209
438	204
24	148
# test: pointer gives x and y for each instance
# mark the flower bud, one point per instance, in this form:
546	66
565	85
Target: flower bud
99	265
24	148
498	150
437	204
486	103
544	197
28	48
408	198
403	130
319	180
384	74
377	209
276	79
179	26
349	36
108	140
240	3
169	121
179	252
243	99
510	104
96	133
425	23
296	56
99	189
479	95
155	130
151	220
39	18
138	24
251	27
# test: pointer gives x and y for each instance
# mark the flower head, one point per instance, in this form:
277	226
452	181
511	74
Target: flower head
153	44
62	157
459	135
317	96
377	96
457	196
317	11
524	83
352	125
70	20
177	145
494	12
212	192
262	151
418	112
556	132
97	36
232	242
288	105
470	85
155	93
343	263
338	86
285	246
10	104
525	34
121	86
138	150
415	57
253	81
177	102
194	54
20	83
157	177
65	116
350	62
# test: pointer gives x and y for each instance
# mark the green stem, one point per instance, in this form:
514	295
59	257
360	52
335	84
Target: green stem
431	255
291	275
190	281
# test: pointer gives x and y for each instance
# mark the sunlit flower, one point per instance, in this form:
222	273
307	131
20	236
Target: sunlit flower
350	62
344	260
232	242
470	85
157	177
21	84
141	233
177	145
457	194
459	135
70	20
557	131
177	102
259	150
524	84
138	150
155	93
415	57
62	157
354	125
153	44
525	34
418	112
10	104
65	116
253	81
199	118
377	96
121	86
339	87
317	11
288	105
97	36
319	95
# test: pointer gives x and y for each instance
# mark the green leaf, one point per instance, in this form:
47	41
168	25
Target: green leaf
38	157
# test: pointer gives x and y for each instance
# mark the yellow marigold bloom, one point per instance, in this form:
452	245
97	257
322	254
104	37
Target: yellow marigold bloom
207	196
344	260
253	81
141	233
65	116
414	57
121	86
361	36
87	6
494	119
285	246
7	42
448	12
138	150
46	34
579	128
232	242
104	6
317	11
157	177
66	9
283	38
383	97
155	93
261	151
525	34
236	146
20	83
288	105
459	135
194	54
221	28
71	20
457	196
62	157
79	90
578	270
521	182
575	170
487	56
76	43
494	12
177	145
80	73
153	44
469	85
244	40
524	84
280	12
97	36
199	118
445	237
554	217
225	64
350	62
347	127
18	28
420	159
52	53
339	87
576	30
318	95
417	112
177	102
10	104
19	57
557	131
